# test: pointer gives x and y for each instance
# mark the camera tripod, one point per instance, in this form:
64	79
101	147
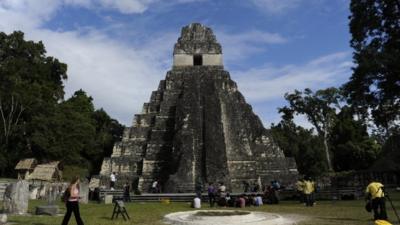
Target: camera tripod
391	204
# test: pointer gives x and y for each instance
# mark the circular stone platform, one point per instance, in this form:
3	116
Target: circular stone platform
224	217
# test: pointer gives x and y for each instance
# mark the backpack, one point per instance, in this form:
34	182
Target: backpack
65	196
382	222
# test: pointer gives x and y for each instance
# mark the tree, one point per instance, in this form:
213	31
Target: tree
108	132
320	110
350	143
374	87
35	121
30	85
301	144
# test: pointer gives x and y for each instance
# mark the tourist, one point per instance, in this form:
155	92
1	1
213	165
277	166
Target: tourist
127	196
308	190
221	190
113	179
253	199
72	202
273	192
247	200
154	187
196	202
229	201
241	202
198	188
211	194
246	186
375	193
259	201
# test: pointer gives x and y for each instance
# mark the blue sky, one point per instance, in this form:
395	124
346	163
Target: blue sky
118	50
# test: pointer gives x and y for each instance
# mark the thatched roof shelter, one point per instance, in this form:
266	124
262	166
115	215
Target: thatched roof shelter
26	164
47	172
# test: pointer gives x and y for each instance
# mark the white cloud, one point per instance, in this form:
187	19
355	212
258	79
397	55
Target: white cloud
241	45
126	6
271	82
264	87
120	77
84	3
25	14
123	6
276	6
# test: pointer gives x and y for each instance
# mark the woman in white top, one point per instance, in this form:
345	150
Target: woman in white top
72	203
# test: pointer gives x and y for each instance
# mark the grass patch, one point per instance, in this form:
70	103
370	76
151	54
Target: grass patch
324	213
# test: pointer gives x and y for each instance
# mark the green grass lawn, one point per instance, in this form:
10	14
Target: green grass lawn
324	213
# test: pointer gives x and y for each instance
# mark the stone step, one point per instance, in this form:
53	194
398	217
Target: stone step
3	186
285	194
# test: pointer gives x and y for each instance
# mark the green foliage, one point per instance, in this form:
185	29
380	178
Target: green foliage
35	121
70	172
351	145
320	110
300	143
390	155
374	86
108	131
30	87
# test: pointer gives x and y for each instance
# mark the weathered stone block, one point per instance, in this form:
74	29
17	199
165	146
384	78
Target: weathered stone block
3	219
50	210
16	198
108	199
84	192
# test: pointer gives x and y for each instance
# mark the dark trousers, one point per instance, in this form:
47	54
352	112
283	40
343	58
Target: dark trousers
127	197
72	207
378	205
309	200
211	199
300	195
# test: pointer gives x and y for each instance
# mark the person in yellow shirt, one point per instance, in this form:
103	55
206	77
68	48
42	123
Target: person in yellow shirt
308	190
375	192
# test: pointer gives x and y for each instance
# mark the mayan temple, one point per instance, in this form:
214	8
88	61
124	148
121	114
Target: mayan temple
197	127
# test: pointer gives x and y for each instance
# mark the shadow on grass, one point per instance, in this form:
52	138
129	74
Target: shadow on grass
105	218
342	219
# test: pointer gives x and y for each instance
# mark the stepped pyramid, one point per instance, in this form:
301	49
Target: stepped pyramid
196	128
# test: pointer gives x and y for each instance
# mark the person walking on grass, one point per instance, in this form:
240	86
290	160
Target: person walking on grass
72	202
375	193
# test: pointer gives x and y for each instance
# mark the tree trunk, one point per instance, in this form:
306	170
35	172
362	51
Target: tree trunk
328	157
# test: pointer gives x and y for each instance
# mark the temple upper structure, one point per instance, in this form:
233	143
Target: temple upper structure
197	46
197	128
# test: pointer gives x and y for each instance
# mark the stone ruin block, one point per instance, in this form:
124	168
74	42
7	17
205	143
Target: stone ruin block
16	198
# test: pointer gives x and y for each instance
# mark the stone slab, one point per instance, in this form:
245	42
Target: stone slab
16	198
50	210
108	199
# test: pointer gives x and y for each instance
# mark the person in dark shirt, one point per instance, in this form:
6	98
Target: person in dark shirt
211	194
127	196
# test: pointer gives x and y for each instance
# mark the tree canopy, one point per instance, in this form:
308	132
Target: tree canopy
35	119
374	87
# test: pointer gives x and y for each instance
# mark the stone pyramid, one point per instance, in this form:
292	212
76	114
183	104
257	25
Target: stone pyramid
197	128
